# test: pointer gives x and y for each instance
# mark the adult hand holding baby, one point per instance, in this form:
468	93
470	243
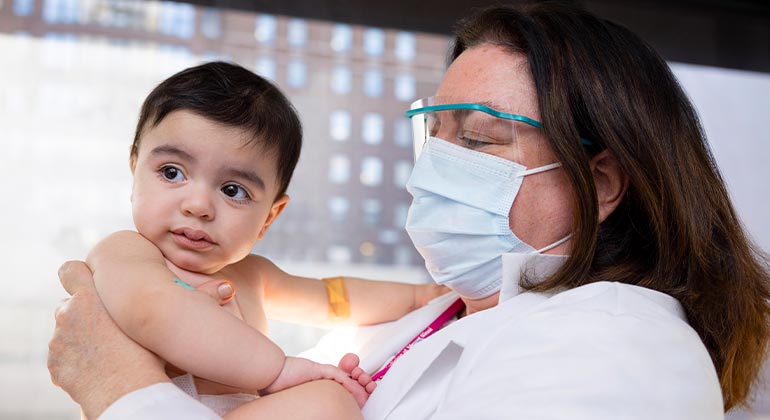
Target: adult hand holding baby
87	340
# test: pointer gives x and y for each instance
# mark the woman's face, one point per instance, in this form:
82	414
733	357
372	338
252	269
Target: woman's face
542	211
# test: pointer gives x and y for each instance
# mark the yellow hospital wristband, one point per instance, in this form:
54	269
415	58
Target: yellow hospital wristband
339	305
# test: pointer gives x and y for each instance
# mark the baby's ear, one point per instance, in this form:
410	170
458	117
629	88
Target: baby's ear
132	159
278	205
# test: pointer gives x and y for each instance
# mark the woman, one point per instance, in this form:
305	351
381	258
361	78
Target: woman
564	189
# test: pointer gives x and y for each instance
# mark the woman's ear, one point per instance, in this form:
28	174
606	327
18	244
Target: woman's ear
278	205
610	180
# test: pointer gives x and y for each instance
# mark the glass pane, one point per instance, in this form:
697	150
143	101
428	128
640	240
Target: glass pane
341	38
372	128
341	80
371	171
265	67
373	83
265	28
339	208
339	169
374	42
406	46
405	87
297	32
402	169
339	125
296	73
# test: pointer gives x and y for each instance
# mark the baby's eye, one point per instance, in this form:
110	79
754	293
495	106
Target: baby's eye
236	192
171	174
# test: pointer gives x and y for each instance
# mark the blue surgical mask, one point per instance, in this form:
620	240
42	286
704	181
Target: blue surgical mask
458	220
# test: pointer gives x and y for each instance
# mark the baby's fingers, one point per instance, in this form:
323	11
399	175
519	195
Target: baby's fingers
357	390
365	380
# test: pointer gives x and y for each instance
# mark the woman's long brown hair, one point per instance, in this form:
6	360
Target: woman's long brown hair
675	230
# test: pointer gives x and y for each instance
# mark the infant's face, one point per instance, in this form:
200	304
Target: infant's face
199	194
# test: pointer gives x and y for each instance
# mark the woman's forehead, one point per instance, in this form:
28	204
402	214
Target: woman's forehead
490	75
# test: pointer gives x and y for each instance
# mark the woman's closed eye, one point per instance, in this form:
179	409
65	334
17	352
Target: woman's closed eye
171	174
236	192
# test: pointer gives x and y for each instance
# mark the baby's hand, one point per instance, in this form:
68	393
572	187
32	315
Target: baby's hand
298	371
349	364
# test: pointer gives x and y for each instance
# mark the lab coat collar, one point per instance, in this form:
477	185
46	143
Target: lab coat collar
538	267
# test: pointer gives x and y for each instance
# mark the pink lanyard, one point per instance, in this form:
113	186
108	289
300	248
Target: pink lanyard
434	326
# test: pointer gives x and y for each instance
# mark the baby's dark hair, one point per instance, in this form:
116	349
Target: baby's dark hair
234	96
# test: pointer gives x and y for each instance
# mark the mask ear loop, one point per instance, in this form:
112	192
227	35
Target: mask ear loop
554	245
540	169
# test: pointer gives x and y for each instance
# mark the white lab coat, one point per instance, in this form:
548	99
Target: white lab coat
604	351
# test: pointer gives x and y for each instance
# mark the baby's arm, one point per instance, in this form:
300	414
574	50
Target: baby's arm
184	327
305	300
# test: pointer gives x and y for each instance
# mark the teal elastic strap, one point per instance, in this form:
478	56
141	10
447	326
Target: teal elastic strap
485	109
183	284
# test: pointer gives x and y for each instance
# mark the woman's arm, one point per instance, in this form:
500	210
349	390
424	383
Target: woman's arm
184	327
306	300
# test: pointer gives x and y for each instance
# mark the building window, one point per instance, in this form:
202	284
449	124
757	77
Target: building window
210	24
389	236
177	19
374	42
339	207
297	33
373	83
402	255
399	215
296	73
406	46
372	128
405	87
402	132
371	171
61	11
23	7
341	80
339	125
339	169
372	211
265	28
339	254
402	170
265	67
342	38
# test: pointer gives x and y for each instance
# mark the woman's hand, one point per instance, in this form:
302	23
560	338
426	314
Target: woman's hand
88	356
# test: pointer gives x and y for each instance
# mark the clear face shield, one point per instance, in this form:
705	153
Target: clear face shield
473	158
477	126
474	126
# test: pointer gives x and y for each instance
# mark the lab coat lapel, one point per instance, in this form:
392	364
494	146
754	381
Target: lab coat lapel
431	368
420	373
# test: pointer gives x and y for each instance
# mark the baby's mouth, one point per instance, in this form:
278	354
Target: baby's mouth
193	238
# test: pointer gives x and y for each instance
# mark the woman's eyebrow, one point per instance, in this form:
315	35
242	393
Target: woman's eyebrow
173	150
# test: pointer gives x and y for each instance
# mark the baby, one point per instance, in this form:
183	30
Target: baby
214	151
